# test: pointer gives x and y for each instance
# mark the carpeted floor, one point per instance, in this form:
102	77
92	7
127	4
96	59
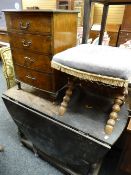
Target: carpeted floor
18	160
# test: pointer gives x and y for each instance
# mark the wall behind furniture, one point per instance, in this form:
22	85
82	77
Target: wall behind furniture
8	4
42	4
115	14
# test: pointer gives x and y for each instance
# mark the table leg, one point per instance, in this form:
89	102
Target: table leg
86	21
103	22
66	99
119	100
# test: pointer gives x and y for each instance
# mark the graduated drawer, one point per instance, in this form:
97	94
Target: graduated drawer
113	38
125	34
29	22
31	60
123	37
37	43
36	79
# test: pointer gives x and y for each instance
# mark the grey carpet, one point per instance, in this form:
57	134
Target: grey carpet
16	159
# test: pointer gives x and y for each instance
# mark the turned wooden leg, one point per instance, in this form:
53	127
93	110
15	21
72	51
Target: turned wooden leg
119	100
66	99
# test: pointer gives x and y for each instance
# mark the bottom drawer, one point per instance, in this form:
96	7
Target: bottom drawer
36	79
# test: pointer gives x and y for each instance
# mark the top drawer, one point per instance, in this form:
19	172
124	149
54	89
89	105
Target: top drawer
29	22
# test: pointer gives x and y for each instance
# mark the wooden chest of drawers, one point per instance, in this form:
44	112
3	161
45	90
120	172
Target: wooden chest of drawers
125	32
35	36
112	30
124	36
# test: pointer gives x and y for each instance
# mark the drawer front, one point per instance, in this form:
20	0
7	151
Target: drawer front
31	60
37	43
123	37
36	79
29	22
113	38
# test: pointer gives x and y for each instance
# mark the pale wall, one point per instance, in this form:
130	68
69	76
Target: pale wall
42	4
115	14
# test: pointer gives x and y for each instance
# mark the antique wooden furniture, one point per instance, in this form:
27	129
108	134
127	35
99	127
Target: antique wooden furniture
112	30
35	36
76	142
65	4
124	165
87	9
87	62
78	5
125	32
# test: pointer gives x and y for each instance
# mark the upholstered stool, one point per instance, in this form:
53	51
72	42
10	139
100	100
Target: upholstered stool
101	64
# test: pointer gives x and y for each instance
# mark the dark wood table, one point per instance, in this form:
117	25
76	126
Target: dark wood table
75	142
125	159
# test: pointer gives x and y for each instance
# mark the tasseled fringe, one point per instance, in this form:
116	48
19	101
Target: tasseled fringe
90	76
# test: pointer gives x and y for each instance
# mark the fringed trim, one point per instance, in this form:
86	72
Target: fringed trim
90	76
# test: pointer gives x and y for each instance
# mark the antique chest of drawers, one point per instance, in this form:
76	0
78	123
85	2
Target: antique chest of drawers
35	36
124	36
125	32
112	30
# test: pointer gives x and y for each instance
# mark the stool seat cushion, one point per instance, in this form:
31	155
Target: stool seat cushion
101	60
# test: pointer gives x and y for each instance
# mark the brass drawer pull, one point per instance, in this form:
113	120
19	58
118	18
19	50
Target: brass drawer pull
28	59
29	77
24	27
26	43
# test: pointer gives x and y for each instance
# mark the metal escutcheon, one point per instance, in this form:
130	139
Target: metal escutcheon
26	43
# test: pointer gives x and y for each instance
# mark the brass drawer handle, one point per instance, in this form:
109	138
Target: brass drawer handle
29	77
26	43
24	27
28	59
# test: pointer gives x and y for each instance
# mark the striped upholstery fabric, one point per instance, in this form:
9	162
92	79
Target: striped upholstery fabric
7	66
